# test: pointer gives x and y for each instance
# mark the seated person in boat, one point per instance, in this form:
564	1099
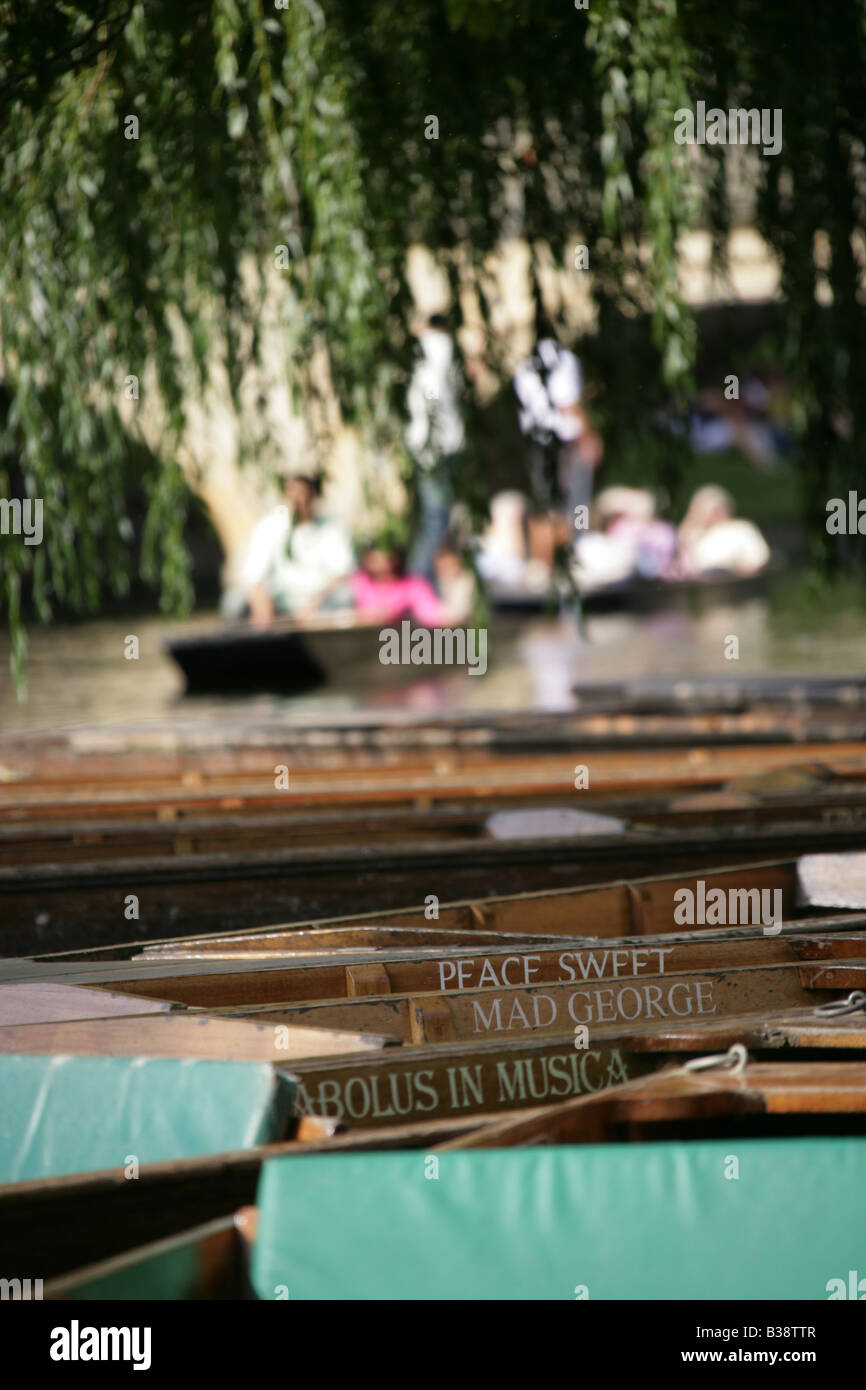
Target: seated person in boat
713	540
515	551
456	584
628	542
383	591
295	559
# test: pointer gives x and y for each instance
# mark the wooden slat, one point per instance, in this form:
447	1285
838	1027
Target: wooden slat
293	981
557	1009
51	1003
184	1036
216	1255
673	1095
79	1219
606	910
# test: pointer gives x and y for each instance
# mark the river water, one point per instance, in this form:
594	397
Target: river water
78	675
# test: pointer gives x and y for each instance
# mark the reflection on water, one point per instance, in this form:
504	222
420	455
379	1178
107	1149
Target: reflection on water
79	675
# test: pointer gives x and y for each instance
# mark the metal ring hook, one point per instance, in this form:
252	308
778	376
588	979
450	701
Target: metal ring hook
855	1001
734	1060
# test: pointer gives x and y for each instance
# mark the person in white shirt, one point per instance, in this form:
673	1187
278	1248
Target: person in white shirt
293	558
713	540
564	449
434	439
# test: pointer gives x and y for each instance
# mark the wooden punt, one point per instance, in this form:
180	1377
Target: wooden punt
626	756
82	1218
558	1009
58	907
92	1216
448	1080
836	802
676	1101
298	654
221	983
656	694
633	907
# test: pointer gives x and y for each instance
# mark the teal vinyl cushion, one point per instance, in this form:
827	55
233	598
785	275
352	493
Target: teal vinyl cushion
61	1115
629	1221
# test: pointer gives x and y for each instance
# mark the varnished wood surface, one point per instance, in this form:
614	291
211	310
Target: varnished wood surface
57	908
672	1094
206	983
185	1036
637	906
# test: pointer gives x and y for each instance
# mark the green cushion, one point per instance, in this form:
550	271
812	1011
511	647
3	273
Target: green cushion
80	1114
657	1221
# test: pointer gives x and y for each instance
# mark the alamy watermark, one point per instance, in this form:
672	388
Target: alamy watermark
738	907
438	646
735	127
77	1343
847	518
22	518
20	1289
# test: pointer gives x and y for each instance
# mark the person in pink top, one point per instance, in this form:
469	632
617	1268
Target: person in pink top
382	589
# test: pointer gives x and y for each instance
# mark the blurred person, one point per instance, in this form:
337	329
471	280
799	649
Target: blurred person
434	437
511	552
628	514
502	547
456	583
712	539
564	449
294	558
383	591
753	421
601	561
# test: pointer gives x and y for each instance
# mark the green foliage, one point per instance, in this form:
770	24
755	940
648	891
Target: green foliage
304	127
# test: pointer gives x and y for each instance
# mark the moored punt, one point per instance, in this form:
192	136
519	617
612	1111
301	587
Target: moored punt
625	756
639	906
257	979
450	1080
496	1006
561	1008
839	802
690	1100
67	906
86	1217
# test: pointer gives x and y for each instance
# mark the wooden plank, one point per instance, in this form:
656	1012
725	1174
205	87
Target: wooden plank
559	1009
672	1094
49	1003
185	1036
363	980
641	905
209	1262
28	842
835	946
303	940
76	1220
376	777
293	981
453	1079
841	975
